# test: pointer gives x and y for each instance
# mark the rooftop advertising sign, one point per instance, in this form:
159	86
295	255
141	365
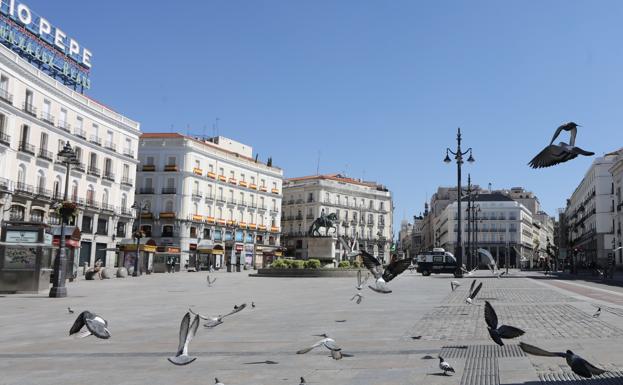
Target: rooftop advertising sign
44	45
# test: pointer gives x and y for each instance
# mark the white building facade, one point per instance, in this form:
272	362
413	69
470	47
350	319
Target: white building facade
364	209
38	115
209	197
590	214
617	178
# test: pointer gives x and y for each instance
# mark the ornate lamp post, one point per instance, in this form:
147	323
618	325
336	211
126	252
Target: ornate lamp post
67	156
138	234
458	156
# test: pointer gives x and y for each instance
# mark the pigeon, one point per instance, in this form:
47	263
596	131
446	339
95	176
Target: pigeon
416	337
70	310
217	382
215	321
597	313
473	292
186	335
561	152
361	282
443	365
210	281
340	320
383	276
579	365
328	343
503	331
95	324
469	272
454	285
349	248
302	381
359	298
267	362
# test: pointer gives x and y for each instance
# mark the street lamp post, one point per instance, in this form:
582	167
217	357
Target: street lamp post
458	156
67	156
138	234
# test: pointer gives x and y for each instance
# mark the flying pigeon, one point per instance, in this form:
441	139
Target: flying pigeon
215	321
562	152
95	324
328	343
359	298
186	335
454	285
469	272
361	282
210	281
383	276
473	292
579	365
70	310
217	382
597	313
503	331
443	365
349	248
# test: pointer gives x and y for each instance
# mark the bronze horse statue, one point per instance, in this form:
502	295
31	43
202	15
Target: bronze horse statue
326	221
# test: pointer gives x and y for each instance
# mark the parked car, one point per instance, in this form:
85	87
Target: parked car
437	261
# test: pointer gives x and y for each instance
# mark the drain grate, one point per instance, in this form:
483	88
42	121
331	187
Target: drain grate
481	351
481	371
570	378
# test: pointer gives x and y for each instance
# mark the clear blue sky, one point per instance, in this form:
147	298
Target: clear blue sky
377	87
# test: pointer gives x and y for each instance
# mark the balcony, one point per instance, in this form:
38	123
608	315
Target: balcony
210	220
92	203
80	133
111	146
5	139
243	183
47	117
221	199
212	175
26	147
128	152
209	197
170	167
299	217
149	167
6	96
222	178
127	181
108	207
167	215
79	167
63	125
43	192
169	190
29	109
197	171
45	154
263	189
126	211
261	228
94	171
109	175
274	229
196	217
275	191
197	194
309	216
253	186
95	140
233	181
147	216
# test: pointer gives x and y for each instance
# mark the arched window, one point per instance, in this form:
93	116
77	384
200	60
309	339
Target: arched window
40	182
74	190
90	195
124	201
21	176
57	188
105	197
195	208
17	213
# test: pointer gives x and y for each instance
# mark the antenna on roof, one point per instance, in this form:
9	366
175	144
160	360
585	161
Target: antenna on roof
318	164
217	119
203	132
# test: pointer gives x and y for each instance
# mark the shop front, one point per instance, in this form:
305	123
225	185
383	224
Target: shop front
167	259
210	254
128	254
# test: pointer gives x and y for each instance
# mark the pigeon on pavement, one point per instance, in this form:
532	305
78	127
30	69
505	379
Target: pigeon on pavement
503	331
217	382
95	324
454	285
443	365
597	313
187	332
302	381
70	310
210	281
359	298
579	365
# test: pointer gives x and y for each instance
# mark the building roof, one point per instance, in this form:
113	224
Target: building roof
493	197
165	135
338	178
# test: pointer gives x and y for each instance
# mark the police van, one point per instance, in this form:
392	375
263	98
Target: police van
437	261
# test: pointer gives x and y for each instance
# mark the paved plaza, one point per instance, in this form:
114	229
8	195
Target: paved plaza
144	315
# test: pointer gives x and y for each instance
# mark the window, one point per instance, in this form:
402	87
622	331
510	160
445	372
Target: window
242	177
43	144
102	226
90	195
57	189
2	123
47	108
232	175
148	183
252	180
231	195
4	85
126	171
196	189
221	171
263	182
109	138
171	161
79	123
128	144
262	202
211	168
93	161
382	206
197	164
326	197
170	182
149	160
62	119
241	198
108	166
24	134
274	205
29	99
87	224
95	129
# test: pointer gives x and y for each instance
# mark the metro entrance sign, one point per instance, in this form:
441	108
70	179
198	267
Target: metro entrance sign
44	45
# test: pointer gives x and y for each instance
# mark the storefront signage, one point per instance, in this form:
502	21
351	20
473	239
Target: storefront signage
47	46
16	236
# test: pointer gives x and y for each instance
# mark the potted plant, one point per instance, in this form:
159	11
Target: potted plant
67	209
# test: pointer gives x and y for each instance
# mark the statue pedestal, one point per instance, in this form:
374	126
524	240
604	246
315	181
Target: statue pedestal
322	248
